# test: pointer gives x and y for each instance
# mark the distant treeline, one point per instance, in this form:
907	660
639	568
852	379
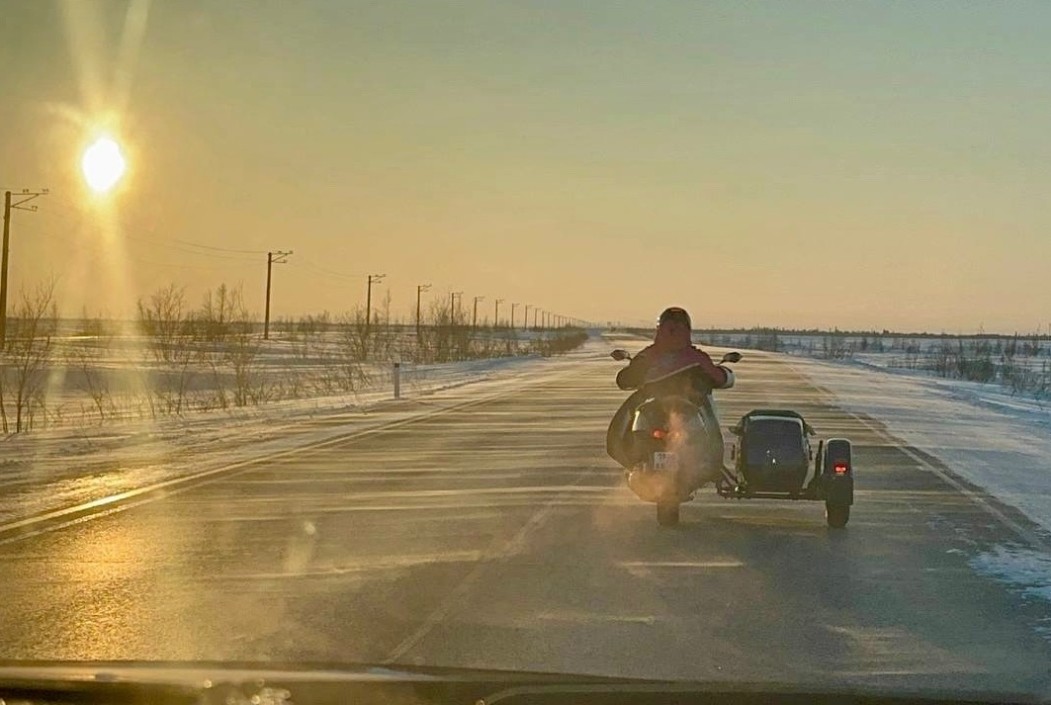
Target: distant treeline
865	333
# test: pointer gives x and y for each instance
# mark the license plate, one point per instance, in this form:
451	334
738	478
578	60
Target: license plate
664	461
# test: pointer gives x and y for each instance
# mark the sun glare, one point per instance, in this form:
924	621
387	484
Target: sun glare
102	164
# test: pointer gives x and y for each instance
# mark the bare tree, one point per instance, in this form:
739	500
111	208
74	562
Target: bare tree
308	350
355	333
219	312
25	361
241	353
349	373
384	336
435	342
167	325
88	359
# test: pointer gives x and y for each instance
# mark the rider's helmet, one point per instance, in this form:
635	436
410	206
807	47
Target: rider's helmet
675	314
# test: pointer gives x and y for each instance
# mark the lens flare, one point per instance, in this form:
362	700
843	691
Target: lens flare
103	164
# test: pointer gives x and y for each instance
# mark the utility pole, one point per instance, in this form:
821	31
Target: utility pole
535	312
373	278
453	309
496	316
272	258
419	291
513	307
525	318
474	318
26	196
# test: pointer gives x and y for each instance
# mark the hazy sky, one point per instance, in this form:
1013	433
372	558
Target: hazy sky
851	164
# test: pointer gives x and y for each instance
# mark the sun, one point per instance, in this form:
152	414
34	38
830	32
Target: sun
103	164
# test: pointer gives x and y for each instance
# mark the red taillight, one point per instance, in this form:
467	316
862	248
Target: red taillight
659	433
840	468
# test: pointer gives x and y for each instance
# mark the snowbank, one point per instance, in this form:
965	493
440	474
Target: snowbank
993	440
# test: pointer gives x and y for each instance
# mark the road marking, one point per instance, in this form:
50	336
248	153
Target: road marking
681	564
581	617
456	596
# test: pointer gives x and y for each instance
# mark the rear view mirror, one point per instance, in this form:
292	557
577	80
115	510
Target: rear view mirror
619	355
731	357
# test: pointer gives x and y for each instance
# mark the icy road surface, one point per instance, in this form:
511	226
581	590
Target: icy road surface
495	533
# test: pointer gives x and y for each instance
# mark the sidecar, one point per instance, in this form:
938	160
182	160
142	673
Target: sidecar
774	459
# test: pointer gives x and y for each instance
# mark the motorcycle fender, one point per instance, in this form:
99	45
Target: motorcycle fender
839	490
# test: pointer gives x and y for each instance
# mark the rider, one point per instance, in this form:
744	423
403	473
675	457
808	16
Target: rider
671	365
673	350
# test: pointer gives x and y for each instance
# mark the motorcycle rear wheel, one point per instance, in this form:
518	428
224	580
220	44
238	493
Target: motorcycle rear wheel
668	513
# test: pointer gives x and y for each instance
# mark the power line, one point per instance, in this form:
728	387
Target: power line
101	252
175	244
321	270
219	249
344	280
178	248
176	265
167	241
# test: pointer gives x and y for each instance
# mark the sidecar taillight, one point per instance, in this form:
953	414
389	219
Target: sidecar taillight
840	468
659	433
